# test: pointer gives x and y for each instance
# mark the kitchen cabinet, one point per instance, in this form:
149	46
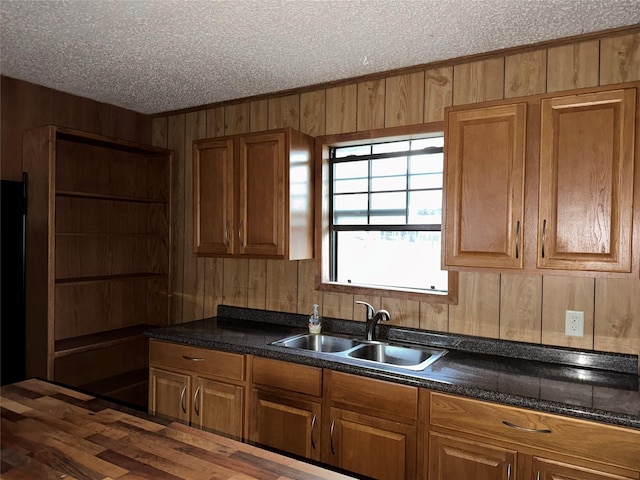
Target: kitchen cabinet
485	168
475	439
99	258
561	180
253	195
452	458
586	181
286	407
545	469
201	387
371	427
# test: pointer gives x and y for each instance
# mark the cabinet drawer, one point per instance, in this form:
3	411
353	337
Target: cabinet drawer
375	395
608	444
201	360
287	376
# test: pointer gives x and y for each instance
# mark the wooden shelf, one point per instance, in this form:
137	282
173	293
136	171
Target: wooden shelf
109	234
103	196
110	143
96	341
116	383
108	278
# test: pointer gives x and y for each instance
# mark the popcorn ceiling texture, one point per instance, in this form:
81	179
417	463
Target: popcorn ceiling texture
155	56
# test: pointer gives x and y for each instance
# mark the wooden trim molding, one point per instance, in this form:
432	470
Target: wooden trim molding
614	32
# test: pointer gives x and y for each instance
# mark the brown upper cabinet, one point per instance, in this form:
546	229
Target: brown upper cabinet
485	186
543	184
253	195
586	181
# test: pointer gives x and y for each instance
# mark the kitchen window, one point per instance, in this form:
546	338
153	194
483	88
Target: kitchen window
384	216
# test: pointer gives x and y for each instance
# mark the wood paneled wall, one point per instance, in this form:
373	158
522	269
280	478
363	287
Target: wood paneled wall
26	106
508	306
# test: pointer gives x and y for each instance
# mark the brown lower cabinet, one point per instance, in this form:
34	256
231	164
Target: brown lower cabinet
485	441
371	426
366	427
379	429
286	407
453	458
200	387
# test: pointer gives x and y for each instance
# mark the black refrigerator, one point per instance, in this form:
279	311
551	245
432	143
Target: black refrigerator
12	256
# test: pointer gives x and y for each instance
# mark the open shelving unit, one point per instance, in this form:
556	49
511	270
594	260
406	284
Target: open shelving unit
98	258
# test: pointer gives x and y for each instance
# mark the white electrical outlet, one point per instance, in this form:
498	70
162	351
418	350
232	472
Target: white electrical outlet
574	323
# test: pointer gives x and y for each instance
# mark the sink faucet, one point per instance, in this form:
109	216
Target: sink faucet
373	318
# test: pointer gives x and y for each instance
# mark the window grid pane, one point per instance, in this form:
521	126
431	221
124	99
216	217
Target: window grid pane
387	212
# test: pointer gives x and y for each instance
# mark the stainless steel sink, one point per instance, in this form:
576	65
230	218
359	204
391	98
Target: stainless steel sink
318	343
412	358
381	354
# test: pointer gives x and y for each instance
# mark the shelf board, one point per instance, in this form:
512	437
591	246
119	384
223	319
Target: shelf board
110	234
107	278
102	196
116	383
96	341
113	143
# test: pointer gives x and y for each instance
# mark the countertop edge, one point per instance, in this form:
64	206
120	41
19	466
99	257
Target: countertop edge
279	353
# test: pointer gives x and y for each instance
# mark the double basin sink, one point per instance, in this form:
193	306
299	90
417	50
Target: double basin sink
381	354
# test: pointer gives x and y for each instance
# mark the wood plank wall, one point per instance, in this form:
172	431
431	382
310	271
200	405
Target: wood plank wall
508	306
26	106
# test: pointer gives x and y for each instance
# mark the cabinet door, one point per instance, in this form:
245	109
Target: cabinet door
372	446
586	181
286	423
213	190
262	183
551	470
218	407
169	394
452	458
484	184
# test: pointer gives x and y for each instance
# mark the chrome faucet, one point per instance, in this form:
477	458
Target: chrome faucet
373	318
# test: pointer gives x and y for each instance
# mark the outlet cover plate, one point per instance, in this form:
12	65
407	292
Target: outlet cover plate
574	323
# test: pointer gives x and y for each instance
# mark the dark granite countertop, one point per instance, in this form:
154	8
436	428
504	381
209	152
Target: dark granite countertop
596	386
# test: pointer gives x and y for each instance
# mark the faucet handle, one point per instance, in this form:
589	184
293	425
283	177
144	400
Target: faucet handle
384	315
370	310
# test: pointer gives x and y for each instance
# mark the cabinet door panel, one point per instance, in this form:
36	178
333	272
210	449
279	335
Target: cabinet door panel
485	159
550	470
451	458
169	394
288	424
213	197
262	195
373	447
586	181
218	407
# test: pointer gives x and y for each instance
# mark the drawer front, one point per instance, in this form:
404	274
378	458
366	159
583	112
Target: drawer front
201	360
608	444
374	395
287	376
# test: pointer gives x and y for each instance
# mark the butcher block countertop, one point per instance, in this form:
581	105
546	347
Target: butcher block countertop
52	432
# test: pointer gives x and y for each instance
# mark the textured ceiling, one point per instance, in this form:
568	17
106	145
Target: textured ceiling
160	55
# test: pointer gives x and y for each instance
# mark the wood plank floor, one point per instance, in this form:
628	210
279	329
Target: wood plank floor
50	432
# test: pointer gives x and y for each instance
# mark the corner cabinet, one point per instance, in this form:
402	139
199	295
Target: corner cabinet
485	186
98	263
562	181
586	181
253	195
